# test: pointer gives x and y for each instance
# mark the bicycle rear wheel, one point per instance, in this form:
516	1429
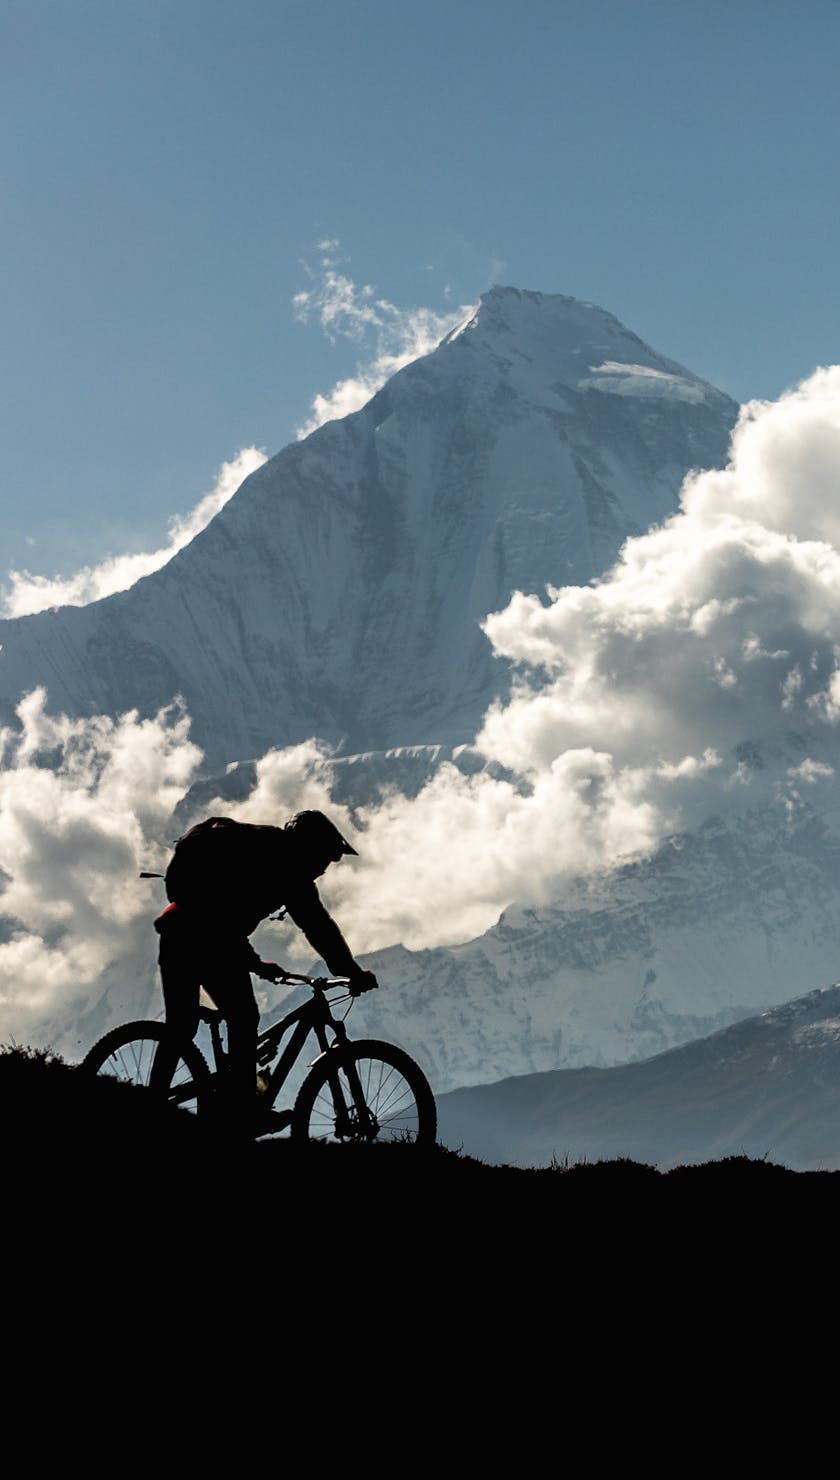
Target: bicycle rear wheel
365	1092
145	1053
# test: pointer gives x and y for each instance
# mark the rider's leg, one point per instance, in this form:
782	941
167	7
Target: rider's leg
193	954
179	979
233	994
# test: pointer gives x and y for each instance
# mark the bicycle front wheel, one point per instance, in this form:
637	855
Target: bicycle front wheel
145	1053
365	1092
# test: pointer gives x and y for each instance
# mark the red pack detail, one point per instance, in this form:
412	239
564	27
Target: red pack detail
170	910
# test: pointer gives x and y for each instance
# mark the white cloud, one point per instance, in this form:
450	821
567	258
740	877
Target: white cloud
27	593
392	337
85	805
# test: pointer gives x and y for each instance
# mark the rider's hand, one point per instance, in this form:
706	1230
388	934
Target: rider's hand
271	972
362	981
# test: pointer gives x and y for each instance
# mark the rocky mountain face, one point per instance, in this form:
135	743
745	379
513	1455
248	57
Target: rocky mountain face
767	1087
739	915
339	593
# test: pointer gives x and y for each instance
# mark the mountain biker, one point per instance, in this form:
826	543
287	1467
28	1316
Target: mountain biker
224	878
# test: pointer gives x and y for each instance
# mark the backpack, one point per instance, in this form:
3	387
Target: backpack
208	856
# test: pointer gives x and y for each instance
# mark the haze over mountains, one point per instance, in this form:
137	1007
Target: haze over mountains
767	1087
635	847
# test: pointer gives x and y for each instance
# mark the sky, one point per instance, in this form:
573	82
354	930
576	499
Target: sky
175	174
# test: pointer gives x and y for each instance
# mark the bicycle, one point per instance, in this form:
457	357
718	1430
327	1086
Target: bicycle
358	1090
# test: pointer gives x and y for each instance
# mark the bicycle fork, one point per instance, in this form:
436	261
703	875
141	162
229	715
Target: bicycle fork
353	1120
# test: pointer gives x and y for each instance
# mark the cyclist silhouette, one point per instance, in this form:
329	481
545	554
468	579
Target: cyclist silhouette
224	878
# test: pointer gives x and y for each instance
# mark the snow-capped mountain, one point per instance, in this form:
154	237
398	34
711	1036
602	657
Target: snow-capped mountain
742	914
766	1087
339	593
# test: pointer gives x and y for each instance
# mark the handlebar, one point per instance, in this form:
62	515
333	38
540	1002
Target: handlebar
212	1015
322	983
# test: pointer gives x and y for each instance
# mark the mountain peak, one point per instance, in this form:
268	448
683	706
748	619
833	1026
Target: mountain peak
340	593
569	342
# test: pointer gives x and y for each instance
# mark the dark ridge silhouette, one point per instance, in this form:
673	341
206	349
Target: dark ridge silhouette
138	1218
59	1123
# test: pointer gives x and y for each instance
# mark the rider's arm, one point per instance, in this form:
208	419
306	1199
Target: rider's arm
310	916
269	971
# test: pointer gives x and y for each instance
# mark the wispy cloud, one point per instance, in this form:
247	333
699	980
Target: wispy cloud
392	337
26	593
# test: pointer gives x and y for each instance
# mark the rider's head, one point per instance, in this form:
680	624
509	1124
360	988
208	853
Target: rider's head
318	842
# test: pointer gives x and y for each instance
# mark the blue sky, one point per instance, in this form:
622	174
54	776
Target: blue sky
167	168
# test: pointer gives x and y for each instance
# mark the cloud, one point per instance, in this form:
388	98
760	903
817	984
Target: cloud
26	593
392	337
722	623
85	805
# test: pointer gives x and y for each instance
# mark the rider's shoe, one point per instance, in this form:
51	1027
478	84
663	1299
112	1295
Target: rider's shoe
272	1122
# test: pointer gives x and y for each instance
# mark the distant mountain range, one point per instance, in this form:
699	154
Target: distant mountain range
767	1087
742	914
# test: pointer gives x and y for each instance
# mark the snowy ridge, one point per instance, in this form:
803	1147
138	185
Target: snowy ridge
715	926
640	380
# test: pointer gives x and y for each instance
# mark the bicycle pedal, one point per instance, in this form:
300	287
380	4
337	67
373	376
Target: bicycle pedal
271	1122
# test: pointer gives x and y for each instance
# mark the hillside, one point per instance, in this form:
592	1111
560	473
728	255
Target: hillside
110	1141
143	1235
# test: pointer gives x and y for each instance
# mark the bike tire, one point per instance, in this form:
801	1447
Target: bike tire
397	1095
130	1053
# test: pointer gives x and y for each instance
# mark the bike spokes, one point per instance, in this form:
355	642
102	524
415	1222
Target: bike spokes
144	1054
366	1100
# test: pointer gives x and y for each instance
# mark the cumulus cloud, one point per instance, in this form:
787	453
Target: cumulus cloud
720	624
85	805
392	337
26	593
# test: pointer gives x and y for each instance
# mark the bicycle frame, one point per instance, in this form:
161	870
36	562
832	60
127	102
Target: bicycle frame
314	1016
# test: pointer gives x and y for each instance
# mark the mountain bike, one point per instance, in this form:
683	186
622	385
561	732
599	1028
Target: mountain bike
358	1090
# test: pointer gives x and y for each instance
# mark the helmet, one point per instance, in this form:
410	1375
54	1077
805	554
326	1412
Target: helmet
318	837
